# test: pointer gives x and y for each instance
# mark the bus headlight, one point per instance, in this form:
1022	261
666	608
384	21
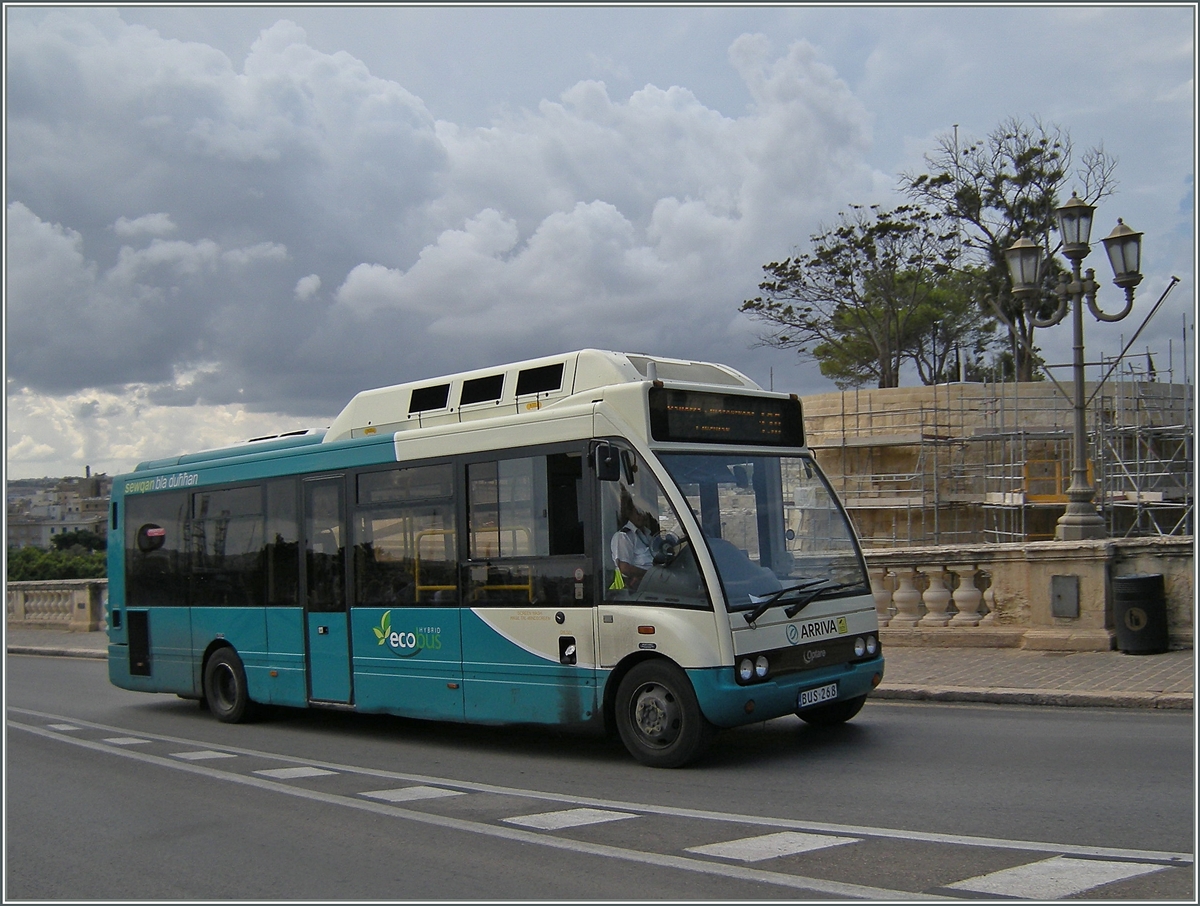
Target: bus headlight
860	647
872	645
761	666
746	670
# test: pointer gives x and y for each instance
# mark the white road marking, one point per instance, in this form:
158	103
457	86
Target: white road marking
1054	878
125	741
770	846
293	773
202	755
548	841
411	793
1182	859
65	728
572	817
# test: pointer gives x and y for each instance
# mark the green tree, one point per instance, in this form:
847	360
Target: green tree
89	541
864	295
952	332
31	564
999	189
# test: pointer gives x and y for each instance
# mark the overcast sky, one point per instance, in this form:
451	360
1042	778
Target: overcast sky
223	222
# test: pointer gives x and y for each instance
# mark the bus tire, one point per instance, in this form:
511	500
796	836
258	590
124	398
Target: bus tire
225	688
832	714
658	717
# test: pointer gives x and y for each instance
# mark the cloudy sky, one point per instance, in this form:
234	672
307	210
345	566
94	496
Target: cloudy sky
224	221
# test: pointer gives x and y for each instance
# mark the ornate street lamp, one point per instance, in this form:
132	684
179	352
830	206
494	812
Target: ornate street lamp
1080	520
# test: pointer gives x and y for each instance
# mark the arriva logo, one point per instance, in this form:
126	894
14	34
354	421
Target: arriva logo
816	629
407	644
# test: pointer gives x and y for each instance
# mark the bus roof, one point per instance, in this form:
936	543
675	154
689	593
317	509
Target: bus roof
501	390
511	389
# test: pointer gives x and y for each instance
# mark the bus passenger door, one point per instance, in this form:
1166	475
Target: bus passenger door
528	624
325	590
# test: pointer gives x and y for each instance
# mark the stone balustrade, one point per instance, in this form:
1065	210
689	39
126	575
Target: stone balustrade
78	605
1000	595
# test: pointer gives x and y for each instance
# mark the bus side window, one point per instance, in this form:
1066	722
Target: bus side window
526	531
281	552
155	550
405	547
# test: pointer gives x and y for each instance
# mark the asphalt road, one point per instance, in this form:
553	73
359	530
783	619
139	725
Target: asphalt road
120	795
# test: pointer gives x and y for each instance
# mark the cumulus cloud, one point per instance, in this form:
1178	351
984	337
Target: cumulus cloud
549	229
307	287
146	225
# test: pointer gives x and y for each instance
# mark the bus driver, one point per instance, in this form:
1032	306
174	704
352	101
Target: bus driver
632	549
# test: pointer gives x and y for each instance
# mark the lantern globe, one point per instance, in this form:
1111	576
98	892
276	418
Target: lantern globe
1075	227
1024	262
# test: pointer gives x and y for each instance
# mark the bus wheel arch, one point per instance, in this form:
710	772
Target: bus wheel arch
225	689
658	716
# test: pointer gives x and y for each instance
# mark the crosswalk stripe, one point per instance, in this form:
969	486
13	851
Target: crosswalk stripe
1054	878
411	793
65	728
202	755
770	846
572	817
293	773
125	741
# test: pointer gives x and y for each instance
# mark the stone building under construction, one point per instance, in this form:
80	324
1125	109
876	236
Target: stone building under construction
965	463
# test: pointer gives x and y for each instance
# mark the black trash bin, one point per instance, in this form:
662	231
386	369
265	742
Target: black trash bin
1140	613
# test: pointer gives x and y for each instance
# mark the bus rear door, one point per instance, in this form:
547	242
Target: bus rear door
325	590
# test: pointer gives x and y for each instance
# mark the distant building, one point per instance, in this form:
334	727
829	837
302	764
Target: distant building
38	510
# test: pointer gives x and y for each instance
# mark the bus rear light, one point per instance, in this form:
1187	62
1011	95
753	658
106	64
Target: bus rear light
646	630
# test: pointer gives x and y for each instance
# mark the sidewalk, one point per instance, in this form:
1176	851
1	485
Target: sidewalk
1107	679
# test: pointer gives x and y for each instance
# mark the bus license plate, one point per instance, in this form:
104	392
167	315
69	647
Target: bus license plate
810	697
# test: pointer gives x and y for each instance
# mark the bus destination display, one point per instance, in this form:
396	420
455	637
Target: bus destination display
725	418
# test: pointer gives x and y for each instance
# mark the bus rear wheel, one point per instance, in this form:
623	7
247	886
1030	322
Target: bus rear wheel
225	687
658	717
832	714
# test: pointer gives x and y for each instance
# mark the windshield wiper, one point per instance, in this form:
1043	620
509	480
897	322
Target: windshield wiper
766	603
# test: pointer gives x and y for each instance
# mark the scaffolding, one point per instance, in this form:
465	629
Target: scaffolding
964	463
1144	449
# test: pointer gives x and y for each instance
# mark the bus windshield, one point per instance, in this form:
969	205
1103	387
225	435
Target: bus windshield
771	524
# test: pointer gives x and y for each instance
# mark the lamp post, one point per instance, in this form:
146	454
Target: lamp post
1080	520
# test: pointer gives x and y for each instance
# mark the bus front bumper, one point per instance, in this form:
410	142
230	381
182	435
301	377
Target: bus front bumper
727	703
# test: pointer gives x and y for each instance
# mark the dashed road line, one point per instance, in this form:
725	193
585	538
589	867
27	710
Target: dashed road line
202	755
1053	879
1097	867
574	817
515	834
294	773
411	794
770	846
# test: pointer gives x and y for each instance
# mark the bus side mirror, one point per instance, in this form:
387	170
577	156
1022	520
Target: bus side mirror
608	462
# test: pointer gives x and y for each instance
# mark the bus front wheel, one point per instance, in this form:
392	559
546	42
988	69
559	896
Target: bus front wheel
658	717
225	687
832	714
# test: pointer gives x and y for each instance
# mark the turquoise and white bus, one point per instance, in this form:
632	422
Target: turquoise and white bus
445	550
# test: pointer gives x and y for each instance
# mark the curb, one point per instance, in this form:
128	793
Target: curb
58	652
1167	701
